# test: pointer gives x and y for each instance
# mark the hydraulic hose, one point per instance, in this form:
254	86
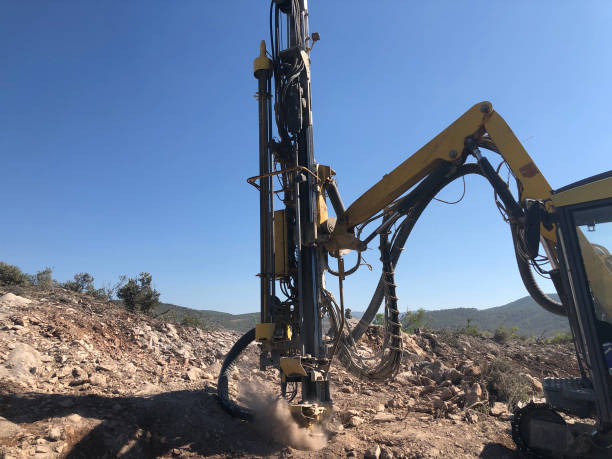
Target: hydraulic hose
404	231
530	283
231	407
400	240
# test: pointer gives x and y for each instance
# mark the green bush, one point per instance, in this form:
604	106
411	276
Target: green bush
502	335
11	275
558	338
506	384
469	329
192	320
413	320
379	319
82	282
138	294
44	279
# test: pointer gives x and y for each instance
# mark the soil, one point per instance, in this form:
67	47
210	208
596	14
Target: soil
85	378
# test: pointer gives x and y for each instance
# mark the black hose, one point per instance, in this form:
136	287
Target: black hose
226	369
398	246
530	283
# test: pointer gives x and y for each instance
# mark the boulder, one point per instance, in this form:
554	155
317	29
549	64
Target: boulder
24	361
10	299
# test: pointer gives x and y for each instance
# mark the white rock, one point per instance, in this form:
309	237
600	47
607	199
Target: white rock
9	299
55	433
24	360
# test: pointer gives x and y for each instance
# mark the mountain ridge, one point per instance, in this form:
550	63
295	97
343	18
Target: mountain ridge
524	313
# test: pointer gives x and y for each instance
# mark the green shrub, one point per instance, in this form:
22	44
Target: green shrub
506	384
558	338
469	329
502	335
192	320
413	320
82	282
379	319
11	275
138	294
44	279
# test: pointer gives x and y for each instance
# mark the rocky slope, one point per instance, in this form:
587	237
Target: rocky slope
83	378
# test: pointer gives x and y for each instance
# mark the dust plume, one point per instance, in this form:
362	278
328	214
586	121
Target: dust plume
274	420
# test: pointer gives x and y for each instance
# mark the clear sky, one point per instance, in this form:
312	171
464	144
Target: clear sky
127	130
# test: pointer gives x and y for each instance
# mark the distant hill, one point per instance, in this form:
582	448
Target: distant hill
524	313
238	322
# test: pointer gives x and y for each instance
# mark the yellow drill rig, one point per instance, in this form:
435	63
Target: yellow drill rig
573	226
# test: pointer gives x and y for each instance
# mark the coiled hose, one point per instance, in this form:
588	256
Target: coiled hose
400	240
231	407
404	231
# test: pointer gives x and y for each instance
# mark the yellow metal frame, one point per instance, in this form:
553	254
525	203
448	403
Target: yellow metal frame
264	331
291	366
600	189
448	146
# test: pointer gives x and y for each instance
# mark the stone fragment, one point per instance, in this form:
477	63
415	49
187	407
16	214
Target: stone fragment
473	395
97	380
498	408
55	433
193	374
386	453
380	418
536	385
355	421
373	452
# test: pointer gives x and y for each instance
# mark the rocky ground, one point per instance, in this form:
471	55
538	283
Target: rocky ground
84	378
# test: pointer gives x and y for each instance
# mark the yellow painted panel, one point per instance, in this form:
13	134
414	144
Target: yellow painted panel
601	189
264	331
292	366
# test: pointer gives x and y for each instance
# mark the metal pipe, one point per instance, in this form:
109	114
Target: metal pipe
334	196
266	209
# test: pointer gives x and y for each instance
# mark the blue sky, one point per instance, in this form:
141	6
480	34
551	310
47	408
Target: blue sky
127	130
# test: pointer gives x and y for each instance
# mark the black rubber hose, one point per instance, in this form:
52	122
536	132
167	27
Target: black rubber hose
398	246
226	369
530	283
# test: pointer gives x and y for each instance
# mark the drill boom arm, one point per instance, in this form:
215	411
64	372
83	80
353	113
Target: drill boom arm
450	146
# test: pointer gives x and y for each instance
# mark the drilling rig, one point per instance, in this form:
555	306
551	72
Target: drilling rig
302	328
